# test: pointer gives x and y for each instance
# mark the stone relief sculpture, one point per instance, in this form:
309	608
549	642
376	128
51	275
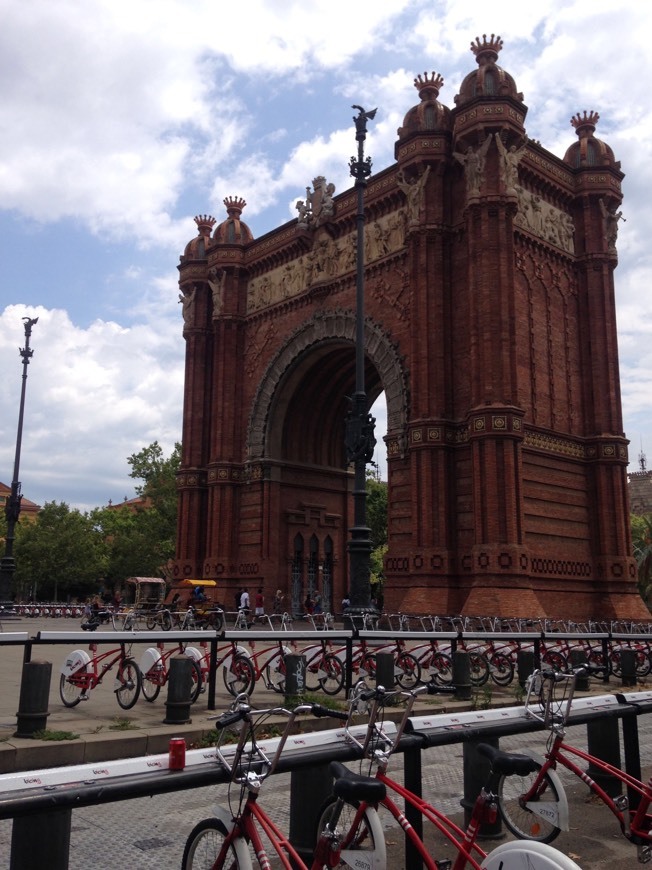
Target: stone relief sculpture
413	191
217	281
328	259
187	301
318	206
544	220
474	162
611	218
509	160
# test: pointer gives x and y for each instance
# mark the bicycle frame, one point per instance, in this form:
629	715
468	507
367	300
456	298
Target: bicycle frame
88	680
634	826
378	748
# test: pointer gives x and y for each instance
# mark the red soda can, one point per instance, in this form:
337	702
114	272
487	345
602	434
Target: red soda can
177	757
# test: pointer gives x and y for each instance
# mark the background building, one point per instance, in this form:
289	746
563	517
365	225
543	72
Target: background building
491	329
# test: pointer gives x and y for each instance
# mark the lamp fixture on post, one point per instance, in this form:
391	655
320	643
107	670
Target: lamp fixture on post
12	507
360	440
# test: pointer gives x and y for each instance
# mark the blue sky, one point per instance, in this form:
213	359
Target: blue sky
122	123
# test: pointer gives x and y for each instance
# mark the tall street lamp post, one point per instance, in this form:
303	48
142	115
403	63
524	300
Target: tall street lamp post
360	440
12	507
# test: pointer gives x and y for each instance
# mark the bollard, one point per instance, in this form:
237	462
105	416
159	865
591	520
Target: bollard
177	705
41	840
476	774
385	670
524	666
604	743
577	659
295	676
462	675
309	789
628	667
32	712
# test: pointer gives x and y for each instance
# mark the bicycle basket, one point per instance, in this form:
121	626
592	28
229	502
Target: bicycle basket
549	697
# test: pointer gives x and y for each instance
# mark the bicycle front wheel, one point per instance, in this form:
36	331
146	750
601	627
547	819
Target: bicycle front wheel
204	845
151	622
524	821
129	683
353	832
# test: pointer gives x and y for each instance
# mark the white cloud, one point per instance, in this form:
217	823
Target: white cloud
127	119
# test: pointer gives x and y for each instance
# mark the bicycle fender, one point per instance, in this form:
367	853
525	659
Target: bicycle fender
225	818
240	650
528	853
75	661
376	860
151	658
193	653
555	812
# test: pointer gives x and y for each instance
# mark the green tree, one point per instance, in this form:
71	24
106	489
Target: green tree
159	492
642	542
377	509
132	543
60	553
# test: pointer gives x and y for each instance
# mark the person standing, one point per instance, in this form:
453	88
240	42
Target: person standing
259	603
278	602
244	600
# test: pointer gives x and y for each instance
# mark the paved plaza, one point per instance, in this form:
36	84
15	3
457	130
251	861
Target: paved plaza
151	832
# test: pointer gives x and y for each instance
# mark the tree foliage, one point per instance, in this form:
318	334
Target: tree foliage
59	553
642	544
64	552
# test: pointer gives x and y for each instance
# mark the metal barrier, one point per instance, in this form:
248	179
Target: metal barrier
52	793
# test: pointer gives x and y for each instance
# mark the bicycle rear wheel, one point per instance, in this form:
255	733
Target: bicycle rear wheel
502	669
408	670
204	844
333	680
352	834
479	668
523	822
70	690
275	673
129	682
441	668
240	676
197	681
152	682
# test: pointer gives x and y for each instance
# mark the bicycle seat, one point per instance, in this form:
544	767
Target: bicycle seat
353	786
507	763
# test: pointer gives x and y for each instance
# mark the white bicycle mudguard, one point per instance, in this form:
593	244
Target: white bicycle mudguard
554	812
359	859
193	653
243	855
151	658
522	854
75	661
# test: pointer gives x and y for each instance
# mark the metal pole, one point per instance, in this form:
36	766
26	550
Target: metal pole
360	440
12	508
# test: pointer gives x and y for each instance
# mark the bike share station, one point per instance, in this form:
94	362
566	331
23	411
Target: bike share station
43	799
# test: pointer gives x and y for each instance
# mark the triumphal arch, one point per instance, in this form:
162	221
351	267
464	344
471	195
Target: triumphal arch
490	326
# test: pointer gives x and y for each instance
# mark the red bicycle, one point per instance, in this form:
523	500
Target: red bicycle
536	808
155	670
80	674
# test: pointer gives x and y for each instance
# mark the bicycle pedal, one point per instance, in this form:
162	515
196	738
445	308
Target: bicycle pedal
621	802
84	696
644	854
445	864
